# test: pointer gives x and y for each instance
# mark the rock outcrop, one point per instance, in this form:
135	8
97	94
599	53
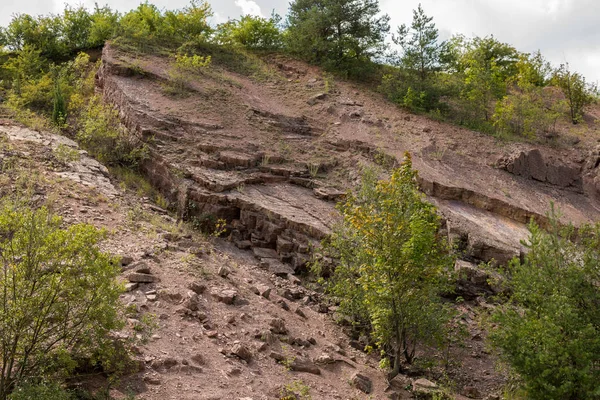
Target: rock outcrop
532	164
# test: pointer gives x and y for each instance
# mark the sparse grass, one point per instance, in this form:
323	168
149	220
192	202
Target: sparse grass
313	169
130	179
438	154
66	154
294	389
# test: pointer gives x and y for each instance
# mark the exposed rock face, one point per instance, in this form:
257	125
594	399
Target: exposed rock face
532	164
220	176
272	166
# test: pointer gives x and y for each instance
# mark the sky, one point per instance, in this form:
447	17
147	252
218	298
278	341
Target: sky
564	30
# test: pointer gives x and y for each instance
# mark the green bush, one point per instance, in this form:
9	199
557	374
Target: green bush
393	265
250	32
549	330
60	295
102	134
43	391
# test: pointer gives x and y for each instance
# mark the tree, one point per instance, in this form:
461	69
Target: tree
58	294
105	24
577	91
393	265
336	32
526	110
250	32
549	329
420	44
76	26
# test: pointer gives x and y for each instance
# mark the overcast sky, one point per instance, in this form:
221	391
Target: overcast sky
564	30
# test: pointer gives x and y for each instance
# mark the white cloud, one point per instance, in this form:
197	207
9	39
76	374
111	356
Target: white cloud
249	7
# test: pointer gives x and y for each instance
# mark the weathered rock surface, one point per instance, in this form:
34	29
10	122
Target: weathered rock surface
532	164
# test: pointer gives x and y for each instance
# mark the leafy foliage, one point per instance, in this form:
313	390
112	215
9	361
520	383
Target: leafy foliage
338	34
549	330
250	32
392	265
420	45
577	91
60	295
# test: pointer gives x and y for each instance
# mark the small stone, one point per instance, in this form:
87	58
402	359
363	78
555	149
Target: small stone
283	305
242	352
255	290
278	326
152	380
304	365
126	260
151	297
141	278
226	296
212	334
141	267
129	287
197	287
362	383
300	312
277	356
264	291
224	272
423	387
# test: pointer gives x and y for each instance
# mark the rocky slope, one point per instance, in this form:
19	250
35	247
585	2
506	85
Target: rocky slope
270	152
226	326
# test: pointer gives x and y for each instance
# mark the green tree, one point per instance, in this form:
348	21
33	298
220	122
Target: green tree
59	107
76	26
336	33
393	265
250	32
577	91
59	297
526	110
43	33
104	25
421	49
549	329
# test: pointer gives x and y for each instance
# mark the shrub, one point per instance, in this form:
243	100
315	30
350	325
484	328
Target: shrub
392	265
549	330
60	294
250	32
41	391
101	133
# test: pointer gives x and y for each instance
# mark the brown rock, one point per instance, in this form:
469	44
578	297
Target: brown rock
300	312
226	296
362	383
141	278
224	272
197	287
278	326
242	352
304	365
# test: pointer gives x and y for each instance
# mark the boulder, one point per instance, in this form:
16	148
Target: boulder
362	383
278	326
137	277
242	352
226	296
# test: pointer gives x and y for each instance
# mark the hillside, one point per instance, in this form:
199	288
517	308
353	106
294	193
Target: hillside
270	152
